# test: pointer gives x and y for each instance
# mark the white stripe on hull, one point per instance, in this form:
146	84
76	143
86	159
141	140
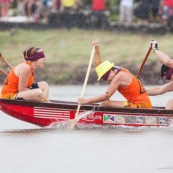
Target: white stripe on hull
52	113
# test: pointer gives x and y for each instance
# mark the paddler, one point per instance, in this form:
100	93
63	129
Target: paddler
166	72
121	80
20	85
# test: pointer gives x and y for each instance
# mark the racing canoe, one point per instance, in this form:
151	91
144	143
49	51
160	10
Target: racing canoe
44	114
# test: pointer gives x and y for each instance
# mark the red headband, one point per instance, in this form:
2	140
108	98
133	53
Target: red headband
36	56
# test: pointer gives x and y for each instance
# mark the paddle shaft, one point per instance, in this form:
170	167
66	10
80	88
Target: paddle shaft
143	63
5	61
3	72
86	79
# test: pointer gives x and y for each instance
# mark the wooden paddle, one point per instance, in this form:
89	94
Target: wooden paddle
143	63
2	71
86	79
4	61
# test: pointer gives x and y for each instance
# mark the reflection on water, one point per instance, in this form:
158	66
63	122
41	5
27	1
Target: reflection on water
67	126
27	131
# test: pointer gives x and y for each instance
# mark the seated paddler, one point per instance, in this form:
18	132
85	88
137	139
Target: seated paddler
121	80
19	83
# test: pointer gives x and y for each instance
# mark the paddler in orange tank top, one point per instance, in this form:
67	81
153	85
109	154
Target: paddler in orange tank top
20	85
121	80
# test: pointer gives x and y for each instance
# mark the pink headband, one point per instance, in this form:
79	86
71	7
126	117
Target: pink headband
36	56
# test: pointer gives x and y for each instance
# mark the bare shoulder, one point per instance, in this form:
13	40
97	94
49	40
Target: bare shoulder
123	75
123	78
22	68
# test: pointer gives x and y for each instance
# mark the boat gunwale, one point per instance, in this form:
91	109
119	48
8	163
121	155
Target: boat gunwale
97	108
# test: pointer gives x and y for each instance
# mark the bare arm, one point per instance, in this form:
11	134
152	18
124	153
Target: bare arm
109	92
96	99
160	89
115	83
164	59
23	72
97	59
154	91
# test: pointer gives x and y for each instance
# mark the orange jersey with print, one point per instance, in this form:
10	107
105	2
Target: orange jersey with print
12	81
135	92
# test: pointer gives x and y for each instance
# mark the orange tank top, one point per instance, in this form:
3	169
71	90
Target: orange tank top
135	92
12	81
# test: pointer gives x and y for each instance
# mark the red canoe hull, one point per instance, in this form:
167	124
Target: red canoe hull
44	114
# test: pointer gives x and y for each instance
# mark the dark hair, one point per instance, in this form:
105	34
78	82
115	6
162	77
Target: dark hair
30	52
164	69
113	68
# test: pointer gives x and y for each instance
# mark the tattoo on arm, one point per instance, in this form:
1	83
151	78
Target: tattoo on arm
108	95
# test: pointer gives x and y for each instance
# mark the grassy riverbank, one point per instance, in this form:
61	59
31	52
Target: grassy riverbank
68	51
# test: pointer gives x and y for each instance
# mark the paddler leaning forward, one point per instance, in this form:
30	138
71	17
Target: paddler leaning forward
121	80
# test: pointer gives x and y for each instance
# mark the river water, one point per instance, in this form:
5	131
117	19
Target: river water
26	148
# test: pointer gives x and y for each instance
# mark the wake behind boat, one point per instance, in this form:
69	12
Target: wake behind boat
45	114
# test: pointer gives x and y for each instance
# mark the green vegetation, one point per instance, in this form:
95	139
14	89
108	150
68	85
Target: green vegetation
67	51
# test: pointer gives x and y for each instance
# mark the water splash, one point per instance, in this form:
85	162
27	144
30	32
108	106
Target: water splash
75	124
61	125
85	114
71	123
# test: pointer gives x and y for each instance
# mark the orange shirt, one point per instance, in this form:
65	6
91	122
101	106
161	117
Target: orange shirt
12	81
135	92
